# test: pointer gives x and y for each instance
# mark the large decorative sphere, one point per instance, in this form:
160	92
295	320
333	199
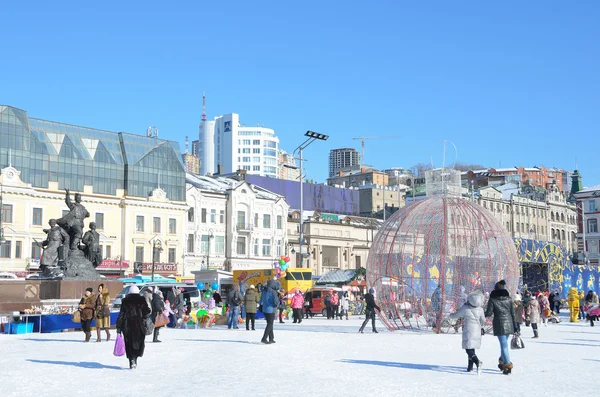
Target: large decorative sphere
430	255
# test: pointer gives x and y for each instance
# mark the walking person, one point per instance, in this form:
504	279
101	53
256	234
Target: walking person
519	312
179	307
328	307
344	305
370	311
545	310
297	304
130	323
250	304
532	313
234	300
474	320
103	313
335	304
158	307
282	305
308	305
269	302
87	305
500	305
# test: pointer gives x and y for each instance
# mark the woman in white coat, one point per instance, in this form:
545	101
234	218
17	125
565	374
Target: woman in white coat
474	319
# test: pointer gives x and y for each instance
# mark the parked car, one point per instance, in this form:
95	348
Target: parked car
8	276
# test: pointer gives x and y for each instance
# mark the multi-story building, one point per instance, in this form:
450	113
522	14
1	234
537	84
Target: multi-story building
133	187
225	146
233	225
374	198
532	214
288	169
356	178
191	163
332	242
400	176
535	176
588	221
343	159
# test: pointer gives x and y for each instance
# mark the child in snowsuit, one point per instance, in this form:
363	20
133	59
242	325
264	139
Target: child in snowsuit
474	320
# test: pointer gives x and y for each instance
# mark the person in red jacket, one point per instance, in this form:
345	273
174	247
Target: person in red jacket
335	304
297	304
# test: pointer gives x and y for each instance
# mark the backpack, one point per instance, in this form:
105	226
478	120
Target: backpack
236	300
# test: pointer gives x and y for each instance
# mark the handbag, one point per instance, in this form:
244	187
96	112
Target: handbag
148	325
260	308
517	343
119	349
76	317
161	319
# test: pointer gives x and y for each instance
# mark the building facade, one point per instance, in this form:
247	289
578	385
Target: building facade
588	220
374	198
233	225
225	146
288	168
191	163
343	159
129	183
539	177
332	242
533	214
356	178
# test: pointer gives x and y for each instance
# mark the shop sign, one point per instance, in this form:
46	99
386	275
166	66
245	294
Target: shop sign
160	267
113	264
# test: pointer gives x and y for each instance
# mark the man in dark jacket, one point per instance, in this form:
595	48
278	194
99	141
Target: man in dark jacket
234	300
370	311
501	306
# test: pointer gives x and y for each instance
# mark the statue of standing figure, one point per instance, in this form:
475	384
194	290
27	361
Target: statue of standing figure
73	221
56	237
91	239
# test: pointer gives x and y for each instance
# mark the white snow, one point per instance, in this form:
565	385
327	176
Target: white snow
316	358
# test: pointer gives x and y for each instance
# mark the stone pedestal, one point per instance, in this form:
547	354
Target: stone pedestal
79	268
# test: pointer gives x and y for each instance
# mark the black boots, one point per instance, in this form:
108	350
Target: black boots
88	336
133	363
155	338
535	334
375	331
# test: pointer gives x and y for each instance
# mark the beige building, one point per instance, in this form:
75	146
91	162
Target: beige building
374	198
331	241
127	225
531	214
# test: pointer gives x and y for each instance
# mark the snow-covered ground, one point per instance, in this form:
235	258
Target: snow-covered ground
316	358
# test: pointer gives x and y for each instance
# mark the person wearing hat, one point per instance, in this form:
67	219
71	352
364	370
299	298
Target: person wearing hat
297	304
370	310
87	304
519	312
250	305
130	323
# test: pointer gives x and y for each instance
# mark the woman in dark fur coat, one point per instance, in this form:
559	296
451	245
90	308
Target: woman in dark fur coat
501	306
134	309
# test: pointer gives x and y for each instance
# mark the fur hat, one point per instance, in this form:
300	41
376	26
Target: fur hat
518	297
90	289
133	290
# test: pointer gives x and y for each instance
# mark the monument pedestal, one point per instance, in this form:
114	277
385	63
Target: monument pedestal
79	268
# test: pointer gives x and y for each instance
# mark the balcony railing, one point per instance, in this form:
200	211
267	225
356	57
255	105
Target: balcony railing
242	227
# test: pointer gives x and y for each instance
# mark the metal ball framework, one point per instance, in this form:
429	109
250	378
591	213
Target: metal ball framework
430	255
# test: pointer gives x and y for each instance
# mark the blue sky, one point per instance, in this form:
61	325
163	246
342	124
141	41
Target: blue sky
510	83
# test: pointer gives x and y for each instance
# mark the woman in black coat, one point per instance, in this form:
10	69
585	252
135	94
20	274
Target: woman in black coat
501	306
134	309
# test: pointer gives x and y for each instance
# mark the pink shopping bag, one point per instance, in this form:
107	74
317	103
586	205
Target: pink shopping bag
119	346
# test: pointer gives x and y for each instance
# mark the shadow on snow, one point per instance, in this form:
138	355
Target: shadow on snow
421	367
80	364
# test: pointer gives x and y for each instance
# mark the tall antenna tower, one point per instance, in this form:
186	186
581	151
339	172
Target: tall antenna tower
204	106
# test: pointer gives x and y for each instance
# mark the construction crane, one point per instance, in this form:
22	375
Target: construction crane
362	141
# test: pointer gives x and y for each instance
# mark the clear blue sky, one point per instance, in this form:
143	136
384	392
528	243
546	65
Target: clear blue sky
508	82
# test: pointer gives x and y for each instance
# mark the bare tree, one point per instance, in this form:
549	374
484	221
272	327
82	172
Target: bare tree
419	169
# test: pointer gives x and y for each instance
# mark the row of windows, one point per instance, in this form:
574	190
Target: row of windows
156	257
37	216
266	220
247	151
156	225
535	212
247	159
36	250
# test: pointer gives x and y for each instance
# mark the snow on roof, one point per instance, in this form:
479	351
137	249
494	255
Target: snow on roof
221	184
506	169
590	189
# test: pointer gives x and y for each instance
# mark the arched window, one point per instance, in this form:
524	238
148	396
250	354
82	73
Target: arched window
563	234
518	227
562	218
552	215
553	234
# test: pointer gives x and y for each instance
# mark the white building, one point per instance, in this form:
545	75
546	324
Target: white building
291	172
588	219
226	146
233	225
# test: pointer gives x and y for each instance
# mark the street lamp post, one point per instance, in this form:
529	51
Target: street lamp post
2	239
210	236
156	247
312	136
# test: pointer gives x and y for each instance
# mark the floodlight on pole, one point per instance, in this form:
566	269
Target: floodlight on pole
312	136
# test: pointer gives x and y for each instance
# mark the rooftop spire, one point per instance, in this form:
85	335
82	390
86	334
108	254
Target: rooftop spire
204	106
